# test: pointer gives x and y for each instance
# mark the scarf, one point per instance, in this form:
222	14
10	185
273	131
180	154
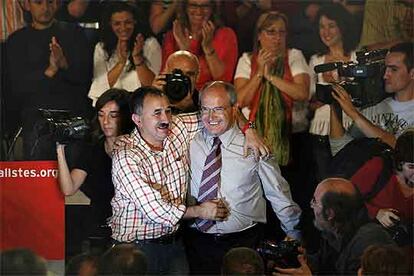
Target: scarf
271	110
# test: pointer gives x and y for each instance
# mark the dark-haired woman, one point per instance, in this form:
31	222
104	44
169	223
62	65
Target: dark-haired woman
91	169
338	43
198	30
126	57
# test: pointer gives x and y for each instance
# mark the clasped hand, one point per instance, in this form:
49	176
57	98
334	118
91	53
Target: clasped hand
57	59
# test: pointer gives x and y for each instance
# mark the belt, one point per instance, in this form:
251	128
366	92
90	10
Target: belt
228	236
166	239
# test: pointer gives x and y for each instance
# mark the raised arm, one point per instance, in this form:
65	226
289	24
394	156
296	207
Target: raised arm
368	128
159	17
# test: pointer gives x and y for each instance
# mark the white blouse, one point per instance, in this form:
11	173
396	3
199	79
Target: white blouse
128	80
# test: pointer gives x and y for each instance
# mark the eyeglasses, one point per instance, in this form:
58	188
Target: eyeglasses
313	203
270	32
219	110
199	6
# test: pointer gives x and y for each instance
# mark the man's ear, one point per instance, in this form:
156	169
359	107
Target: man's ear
330	214
26	5
412	73
137	120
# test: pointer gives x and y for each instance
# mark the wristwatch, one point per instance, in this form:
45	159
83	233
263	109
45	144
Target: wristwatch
249	124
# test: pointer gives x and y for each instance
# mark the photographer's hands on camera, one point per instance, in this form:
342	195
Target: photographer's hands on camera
303	270
387	217
345	101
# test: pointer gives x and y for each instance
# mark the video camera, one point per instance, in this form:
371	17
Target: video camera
283	254
63	126
177	85
362	80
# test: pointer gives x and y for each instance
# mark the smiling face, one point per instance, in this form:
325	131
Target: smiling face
329	32
109	119
154	122
397	77
273	37
122	24
43	12
216	112
199	11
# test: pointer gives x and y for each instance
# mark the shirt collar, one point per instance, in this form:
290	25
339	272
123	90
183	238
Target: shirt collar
226	138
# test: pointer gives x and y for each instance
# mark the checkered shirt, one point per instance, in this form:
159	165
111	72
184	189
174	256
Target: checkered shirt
151	186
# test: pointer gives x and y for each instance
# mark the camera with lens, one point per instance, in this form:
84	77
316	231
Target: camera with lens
363	80
63	127
177	86
282	254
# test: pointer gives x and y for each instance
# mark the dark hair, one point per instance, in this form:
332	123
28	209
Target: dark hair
121	98
264	21
404	148
343	19
75	263
407	49
109	39
185	22
21	261
139	95
349	210
236	259
385	260
123	259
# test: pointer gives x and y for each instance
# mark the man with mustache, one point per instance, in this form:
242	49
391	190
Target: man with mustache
150	177
48	66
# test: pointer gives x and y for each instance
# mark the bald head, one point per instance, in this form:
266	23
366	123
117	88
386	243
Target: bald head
181	56
186	62
336	185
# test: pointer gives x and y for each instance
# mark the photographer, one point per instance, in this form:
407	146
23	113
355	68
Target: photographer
390	117
181	91
346	231
93	166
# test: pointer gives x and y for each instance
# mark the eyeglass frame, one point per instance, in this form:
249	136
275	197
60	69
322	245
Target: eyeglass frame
219	110
199	6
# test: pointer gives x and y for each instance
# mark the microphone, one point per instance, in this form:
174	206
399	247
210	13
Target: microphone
327	67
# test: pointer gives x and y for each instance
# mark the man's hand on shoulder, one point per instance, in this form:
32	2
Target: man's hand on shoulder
256	144
123	142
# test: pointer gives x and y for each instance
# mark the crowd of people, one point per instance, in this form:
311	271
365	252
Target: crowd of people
209	134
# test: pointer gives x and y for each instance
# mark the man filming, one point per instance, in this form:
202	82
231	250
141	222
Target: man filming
390	117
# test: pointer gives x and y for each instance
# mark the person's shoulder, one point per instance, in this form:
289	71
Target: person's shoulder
18	35
225	31
293	52
373	232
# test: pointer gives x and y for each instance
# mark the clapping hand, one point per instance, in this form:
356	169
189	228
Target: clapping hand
57	59
207	33
122	50
137	52
181	35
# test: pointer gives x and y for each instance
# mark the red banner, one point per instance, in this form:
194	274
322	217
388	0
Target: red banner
32	208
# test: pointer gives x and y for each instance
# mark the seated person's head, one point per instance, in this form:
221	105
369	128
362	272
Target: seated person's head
384	260
83	264
336	205
404	156
123	259
112	109
21	261
242	261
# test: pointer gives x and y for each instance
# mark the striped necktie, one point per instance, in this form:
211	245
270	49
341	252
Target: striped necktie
210	181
